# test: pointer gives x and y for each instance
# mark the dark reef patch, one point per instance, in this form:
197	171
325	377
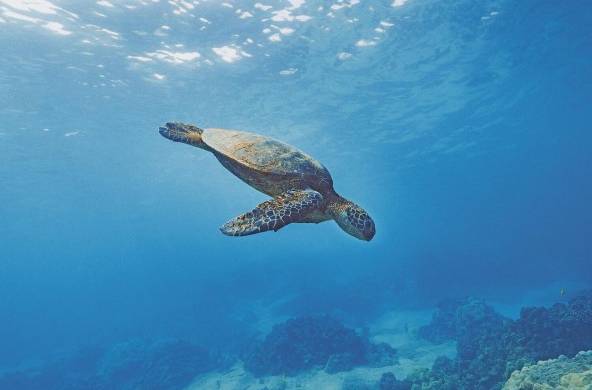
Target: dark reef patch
491	347
388	381
455	319
163	365
303	343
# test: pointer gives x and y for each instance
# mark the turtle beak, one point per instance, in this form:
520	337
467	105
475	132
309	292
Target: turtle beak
166	131
370	231
174	132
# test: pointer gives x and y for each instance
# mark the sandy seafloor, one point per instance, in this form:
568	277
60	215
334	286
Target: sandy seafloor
396	328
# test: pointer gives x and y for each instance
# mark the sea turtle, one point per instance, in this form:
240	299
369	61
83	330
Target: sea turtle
301	187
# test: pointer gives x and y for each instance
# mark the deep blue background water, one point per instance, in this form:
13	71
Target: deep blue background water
463	128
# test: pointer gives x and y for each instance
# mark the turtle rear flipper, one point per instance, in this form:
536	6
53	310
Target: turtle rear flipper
180	132
286	208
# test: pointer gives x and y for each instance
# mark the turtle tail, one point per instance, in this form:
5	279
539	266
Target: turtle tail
181	132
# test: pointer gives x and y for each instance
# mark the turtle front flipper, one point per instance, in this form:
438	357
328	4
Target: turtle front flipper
286	208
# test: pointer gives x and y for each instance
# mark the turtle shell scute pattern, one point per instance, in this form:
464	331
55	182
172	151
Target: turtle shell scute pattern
291	206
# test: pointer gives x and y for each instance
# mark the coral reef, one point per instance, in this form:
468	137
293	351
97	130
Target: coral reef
388	381
162	365
170	364
455	318
492	352
303	343
490	347
541	334
77	372
561	374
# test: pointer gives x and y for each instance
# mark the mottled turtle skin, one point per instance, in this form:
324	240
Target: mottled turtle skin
301	186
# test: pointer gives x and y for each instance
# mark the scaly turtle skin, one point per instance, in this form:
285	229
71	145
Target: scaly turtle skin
301	187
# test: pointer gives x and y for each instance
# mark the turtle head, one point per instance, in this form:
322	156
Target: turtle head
353	219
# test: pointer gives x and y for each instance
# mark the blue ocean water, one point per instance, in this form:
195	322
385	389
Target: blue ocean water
462	127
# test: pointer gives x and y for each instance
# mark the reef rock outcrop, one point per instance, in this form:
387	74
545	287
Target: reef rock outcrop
453	319
554	374
169	364
388	381
491	347
541	333
164	365
304	343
